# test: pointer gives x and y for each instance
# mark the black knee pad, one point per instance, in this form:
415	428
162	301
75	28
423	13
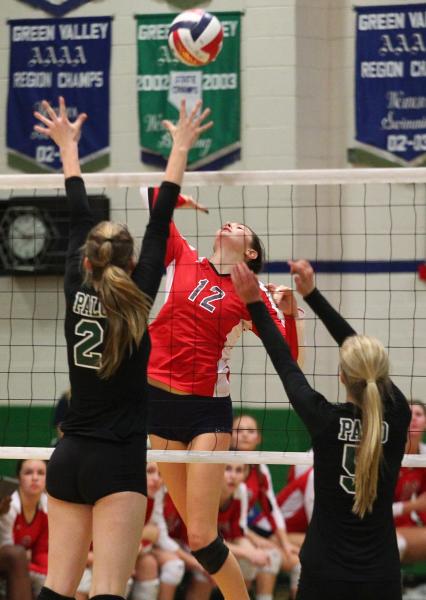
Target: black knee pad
213	556
48	594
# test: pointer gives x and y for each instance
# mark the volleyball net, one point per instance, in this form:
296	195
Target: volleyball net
364	231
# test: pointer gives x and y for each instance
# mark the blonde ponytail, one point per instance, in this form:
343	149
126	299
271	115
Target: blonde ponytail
109	248
365	370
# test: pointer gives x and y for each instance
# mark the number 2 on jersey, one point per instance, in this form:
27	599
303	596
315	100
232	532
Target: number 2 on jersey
206	302
84	350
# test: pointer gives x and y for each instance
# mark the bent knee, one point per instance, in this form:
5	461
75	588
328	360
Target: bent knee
198	539
213	556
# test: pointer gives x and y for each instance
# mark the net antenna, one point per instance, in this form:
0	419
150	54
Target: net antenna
364	230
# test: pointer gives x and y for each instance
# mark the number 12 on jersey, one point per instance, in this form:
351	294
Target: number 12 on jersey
206	302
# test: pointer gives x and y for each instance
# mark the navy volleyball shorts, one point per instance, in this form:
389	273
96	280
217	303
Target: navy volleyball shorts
83	470
182	417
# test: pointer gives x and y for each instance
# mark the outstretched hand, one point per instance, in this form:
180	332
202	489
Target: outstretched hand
284	298
189	127
189	202
57	126
246	283
304	276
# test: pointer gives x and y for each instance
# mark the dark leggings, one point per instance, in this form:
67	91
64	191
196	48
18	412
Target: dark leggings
315	589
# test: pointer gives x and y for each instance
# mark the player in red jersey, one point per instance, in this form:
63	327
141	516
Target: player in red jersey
409	508
188	374
25	524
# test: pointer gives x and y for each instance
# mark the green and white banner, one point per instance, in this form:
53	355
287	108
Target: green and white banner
163	81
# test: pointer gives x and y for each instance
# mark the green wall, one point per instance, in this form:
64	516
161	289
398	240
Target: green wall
32	426
282	431
24	426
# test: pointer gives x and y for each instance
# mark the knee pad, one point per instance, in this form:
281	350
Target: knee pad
275	561
48	594
145	590
172	572
295	576
199	576
248	570
213	556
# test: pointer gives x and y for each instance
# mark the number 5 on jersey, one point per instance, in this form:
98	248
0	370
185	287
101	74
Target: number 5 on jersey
85	354
347	481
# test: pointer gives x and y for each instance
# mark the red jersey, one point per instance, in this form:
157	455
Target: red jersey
411	483
295	502
261	492
200	322
149	508
155	515
33	536
232	518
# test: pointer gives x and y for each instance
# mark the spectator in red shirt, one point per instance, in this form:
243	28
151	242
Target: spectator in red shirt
25	523
409	508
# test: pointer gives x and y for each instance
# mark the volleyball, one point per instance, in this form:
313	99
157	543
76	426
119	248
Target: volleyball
196	37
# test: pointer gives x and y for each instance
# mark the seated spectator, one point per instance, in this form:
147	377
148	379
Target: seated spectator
232	526
25	522
246	436
295	501
200	584
159	569
409	508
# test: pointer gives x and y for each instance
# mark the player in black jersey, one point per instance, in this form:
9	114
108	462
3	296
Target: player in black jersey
97	475
350	550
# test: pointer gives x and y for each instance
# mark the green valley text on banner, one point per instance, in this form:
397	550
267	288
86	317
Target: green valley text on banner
163	81
51	58
390	80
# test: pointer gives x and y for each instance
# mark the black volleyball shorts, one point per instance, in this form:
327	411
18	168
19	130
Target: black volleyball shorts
83	470
182	417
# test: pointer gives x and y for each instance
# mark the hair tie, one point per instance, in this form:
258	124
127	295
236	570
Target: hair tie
108	240
370	381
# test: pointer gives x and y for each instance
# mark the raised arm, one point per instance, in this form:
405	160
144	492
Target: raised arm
304	279
66	135
311	406
149	269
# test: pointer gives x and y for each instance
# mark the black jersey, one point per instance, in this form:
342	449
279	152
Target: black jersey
114	408
338	544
